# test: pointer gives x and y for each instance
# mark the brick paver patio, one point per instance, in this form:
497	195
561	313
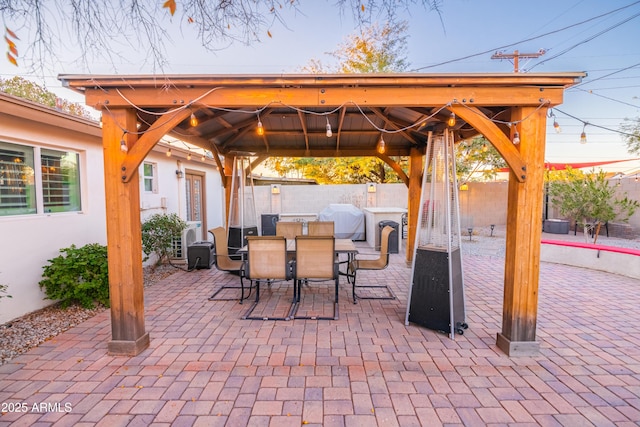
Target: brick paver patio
207	367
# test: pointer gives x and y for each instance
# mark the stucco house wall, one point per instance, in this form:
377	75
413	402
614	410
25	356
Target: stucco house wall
30	240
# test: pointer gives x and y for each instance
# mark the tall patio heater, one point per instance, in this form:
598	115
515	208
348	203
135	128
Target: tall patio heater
436	293
242	209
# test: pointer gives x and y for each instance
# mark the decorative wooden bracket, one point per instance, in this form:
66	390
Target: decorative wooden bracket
503	144
395	166
148	140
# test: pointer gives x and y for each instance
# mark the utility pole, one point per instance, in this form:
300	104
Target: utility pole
516	56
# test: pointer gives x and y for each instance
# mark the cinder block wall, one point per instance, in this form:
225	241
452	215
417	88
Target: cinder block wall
484	203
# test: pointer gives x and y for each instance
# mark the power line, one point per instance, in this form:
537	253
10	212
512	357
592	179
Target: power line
526	40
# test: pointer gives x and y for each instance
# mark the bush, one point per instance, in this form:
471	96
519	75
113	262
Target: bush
80	275
158	234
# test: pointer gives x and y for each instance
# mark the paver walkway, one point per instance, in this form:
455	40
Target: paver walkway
207	367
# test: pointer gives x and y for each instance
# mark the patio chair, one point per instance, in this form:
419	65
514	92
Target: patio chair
320	228
225	263
315	261
289	229
379	263
267	261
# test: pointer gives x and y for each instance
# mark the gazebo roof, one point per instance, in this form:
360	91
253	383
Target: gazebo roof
294	109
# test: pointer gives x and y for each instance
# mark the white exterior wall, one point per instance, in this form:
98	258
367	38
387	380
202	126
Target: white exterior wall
29	241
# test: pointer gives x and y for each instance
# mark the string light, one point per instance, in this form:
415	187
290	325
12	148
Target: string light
189	154
382	146
168	153
260	129
203	158
123	143
451	122
193	121
516	138
583	135
329	132
485	147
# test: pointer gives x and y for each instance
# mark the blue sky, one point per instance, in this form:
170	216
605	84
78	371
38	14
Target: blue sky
607	48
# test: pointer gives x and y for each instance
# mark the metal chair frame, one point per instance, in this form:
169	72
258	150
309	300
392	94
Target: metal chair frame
224	262
379	263
267	261
315	261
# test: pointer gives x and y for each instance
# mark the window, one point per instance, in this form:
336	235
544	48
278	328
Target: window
17	180
23	169
149	176
60	181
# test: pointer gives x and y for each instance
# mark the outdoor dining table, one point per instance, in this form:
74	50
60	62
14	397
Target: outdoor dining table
342	246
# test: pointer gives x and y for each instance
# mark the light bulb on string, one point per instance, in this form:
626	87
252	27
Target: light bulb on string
168	153
203	158
123	145
451	122
556	126
516	138
189	154
329	132
193	120
382	146
583	135
260	129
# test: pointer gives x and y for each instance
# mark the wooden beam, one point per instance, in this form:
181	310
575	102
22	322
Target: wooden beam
414	194
396	168
139	150
500	141
204	144
393	125
330	152
124	243
343	112
524	228
244	97
303	125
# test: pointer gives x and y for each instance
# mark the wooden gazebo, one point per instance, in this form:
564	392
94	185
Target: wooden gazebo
294	111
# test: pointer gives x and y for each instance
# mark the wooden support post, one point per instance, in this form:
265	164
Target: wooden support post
124	237
228	176
524	228
413	204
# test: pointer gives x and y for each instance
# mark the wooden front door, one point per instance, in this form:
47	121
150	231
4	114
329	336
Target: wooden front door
194	191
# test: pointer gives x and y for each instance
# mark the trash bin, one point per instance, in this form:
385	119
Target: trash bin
393	237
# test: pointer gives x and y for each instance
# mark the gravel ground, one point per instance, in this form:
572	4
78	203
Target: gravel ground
22	334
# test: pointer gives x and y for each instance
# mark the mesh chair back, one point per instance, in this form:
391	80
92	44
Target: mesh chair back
381	262
315	257
289	229
267	257
223	261
321	228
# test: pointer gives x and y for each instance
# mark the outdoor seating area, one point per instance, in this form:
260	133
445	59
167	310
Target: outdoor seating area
207	366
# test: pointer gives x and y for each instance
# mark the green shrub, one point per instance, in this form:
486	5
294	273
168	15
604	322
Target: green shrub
158	234
80	275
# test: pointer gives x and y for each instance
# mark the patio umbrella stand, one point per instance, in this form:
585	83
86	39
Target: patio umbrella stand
436	294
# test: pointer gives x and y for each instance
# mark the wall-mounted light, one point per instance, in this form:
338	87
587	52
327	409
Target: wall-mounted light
275	189
371	188
179	173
